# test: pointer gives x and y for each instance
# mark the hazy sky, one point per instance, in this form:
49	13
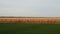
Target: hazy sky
39	8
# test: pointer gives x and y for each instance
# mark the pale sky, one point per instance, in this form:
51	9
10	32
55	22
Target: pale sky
38	8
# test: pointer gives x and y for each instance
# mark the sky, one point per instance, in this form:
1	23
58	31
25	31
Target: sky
35	8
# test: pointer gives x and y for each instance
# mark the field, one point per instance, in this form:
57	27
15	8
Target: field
29	28
29	25
31	20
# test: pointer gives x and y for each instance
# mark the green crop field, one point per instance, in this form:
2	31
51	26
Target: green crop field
29	28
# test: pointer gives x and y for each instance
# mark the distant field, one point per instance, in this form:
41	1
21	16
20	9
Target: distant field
29	28
31	20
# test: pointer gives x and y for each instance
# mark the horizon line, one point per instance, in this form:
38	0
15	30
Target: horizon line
25	17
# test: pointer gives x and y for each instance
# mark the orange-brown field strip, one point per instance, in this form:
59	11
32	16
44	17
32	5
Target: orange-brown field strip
31	20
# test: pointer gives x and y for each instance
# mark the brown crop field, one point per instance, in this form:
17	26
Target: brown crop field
31	20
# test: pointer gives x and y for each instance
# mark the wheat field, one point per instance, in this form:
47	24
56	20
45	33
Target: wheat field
31	20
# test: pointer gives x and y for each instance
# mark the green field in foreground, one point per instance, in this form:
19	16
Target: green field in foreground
29	28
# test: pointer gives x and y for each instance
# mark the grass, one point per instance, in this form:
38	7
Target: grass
29	28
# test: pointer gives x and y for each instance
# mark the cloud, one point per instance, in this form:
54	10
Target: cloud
30	8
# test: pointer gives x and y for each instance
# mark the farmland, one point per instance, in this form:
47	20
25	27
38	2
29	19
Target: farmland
29	25
29	28
31	20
